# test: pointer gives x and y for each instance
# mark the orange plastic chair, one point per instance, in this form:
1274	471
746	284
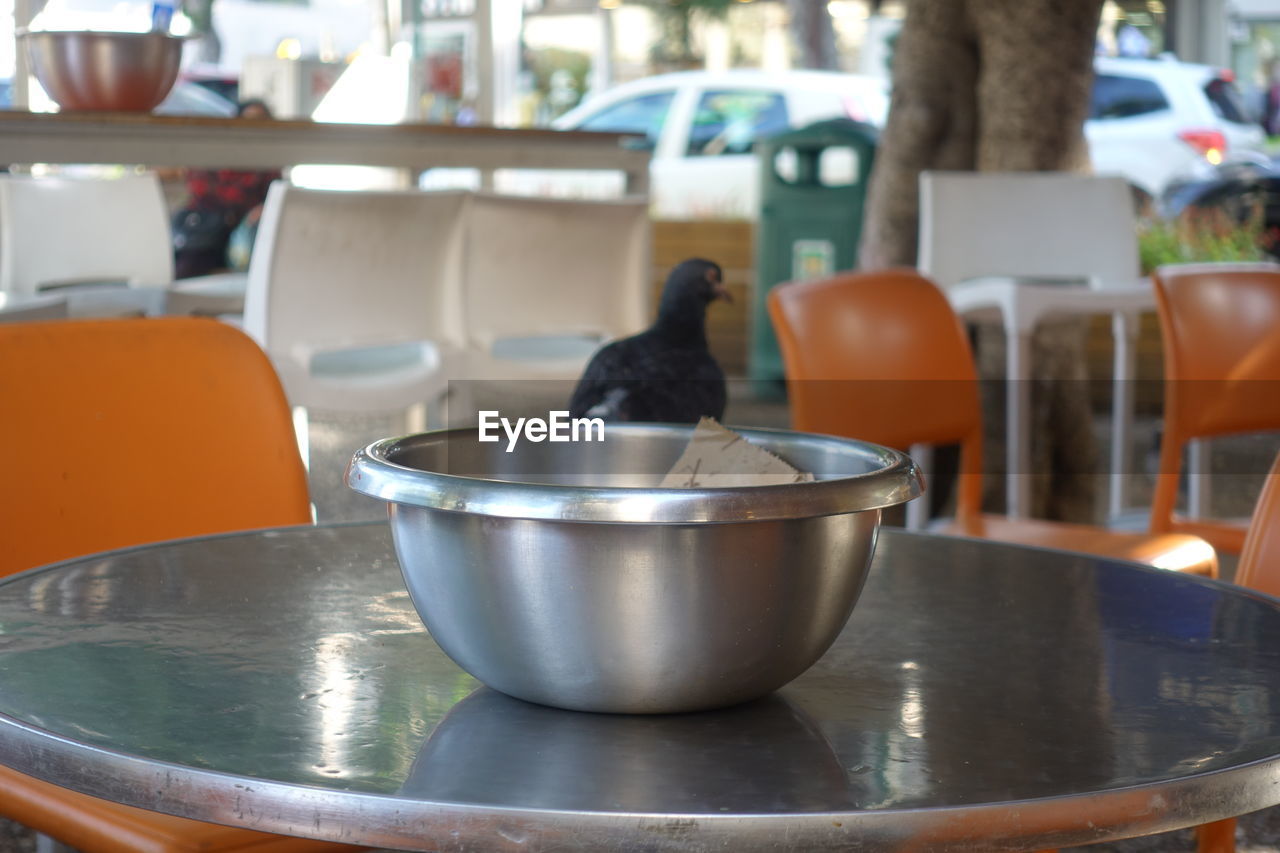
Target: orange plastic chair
882	356
1259	568
122	432
1221	330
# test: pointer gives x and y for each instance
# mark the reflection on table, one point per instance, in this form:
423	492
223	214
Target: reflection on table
282	680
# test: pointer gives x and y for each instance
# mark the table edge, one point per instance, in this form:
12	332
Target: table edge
382	820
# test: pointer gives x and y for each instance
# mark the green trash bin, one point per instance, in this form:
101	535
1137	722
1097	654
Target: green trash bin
813	188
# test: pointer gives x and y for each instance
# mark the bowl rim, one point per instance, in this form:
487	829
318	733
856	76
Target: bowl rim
897	480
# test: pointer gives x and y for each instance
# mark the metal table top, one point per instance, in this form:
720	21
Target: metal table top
281	680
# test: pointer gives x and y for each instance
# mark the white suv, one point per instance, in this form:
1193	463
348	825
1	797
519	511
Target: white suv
1158	121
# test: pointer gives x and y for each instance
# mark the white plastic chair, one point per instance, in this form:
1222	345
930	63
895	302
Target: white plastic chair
1030	245
353	296
75	235
547	281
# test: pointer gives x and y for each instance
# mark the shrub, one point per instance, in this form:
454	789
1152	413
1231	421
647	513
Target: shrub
1202	236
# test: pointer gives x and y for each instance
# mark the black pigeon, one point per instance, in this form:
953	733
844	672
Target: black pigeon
665	373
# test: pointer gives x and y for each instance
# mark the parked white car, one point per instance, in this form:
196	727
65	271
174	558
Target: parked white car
1158	121
702	127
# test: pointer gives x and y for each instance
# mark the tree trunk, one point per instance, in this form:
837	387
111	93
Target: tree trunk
674	49
991	85
813	34
209	46
996	85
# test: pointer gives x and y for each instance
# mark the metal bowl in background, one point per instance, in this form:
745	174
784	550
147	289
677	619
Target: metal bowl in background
90	70
557	573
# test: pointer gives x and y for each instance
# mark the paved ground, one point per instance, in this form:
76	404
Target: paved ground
15	838
335	437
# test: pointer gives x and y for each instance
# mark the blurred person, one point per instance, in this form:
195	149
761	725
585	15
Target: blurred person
466	116
1270	120
1132	42
220	202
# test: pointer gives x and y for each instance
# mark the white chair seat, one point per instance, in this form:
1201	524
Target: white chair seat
395	362
567	348
368	378
535	358
1027	303
110	300
26	309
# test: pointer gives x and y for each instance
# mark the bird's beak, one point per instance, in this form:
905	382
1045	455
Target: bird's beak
719	291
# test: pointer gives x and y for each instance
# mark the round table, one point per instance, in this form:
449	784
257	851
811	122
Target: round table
981	693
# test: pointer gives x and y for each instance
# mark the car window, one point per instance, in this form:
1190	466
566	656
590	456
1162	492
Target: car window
1117	96
731	122
643	116
1225	99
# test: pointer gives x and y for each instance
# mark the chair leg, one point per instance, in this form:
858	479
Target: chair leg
1018	423
460	407
1217	837
415	419
302	430
918	509
1125	335
438	412
45	844
1198	478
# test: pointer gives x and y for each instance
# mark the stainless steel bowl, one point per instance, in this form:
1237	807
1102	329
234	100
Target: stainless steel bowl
558	574
120	72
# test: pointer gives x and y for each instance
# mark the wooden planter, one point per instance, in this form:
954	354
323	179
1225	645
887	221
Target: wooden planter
731	244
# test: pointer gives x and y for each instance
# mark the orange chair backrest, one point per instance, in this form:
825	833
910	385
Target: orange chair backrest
881	357
1221	335
122	432
1259	566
